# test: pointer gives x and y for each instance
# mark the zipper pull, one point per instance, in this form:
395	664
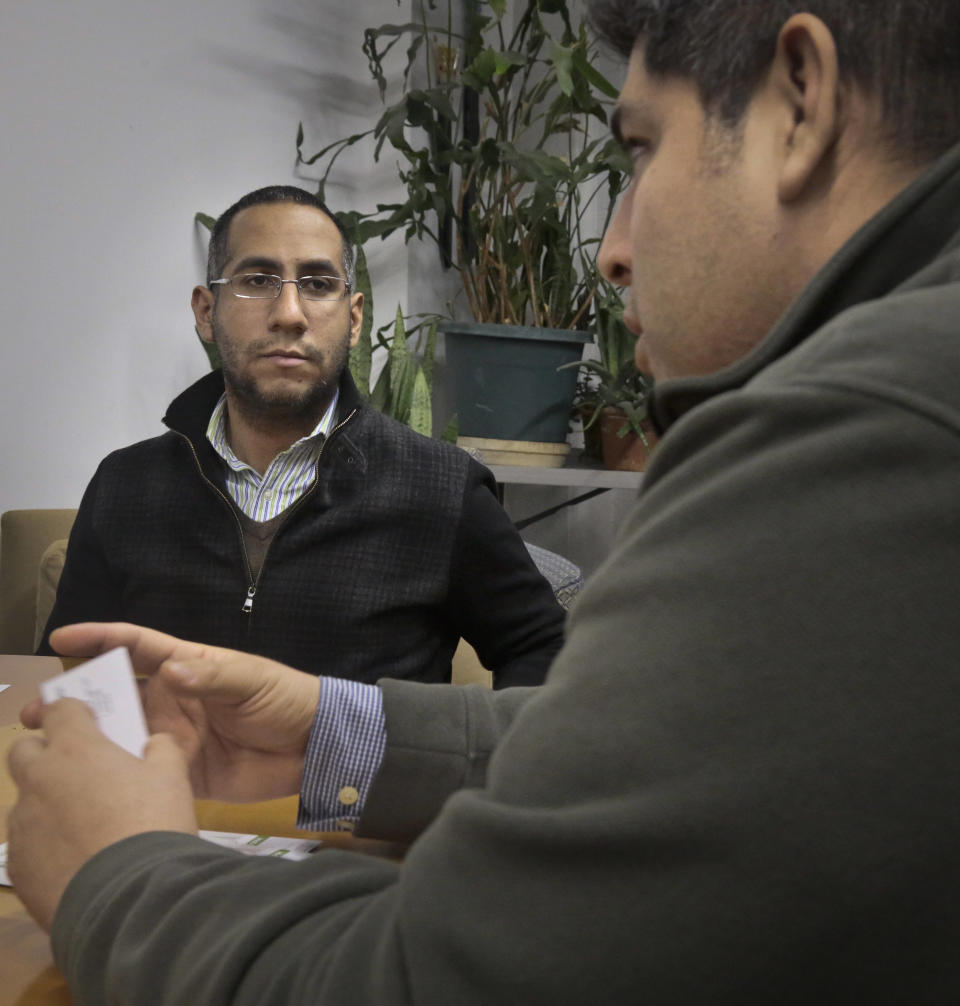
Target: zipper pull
248	603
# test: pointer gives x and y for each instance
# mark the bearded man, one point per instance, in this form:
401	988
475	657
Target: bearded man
283	515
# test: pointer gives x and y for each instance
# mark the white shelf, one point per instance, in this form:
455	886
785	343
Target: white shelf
587	478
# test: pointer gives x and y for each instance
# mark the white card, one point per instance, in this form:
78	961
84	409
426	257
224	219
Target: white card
265	845
291	849
108	687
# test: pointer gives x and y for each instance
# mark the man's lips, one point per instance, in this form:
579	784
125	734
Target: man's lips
640	357
285	359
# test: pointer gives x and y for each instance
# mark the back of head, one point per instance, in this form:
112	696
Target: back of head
903	54
217	252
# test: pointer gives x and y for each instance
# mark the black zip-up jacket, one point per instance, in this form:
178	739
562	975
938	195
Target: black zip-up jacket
399	548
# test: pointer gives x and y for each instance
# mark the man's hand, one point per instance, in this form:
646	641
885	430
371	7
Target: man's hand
79	793
242	721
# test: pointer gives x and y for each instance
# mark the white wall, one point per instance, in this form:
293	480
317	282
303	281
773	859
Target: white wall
121	119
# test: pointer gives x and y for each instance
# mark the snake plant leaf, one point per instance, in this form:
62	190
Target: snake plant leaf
365	287
380	396
429	353
205	219
404	394
451	431
361	356
421	414
398	353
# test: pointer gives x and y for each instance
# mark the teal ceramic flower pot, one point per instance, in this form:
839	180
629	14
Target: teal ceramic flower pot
505	379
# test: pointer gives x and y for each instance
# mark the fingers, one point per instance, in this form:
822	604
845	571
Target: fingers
57	718
148	648
88	639
30	714
68	714
21	754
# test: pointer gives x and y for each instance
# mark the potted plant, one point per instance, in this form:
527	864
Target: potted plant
505	158
612	395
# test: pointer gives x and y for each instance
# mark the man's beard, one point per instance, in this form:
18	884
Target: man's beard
289	404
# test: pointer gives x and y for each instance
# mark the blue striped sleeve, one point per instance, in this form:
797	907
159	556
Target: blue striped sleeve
344	754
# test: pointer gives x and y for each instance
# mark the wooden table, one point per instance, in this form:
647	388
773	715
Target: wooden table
27	974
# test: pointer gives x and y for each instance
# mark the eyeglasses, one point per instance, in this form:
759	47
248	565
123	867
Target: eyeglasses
264	286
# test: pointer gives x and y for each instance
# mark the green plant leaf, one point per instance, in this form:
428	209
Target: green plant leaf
380	396
451	431
593	76
562	60
421	415
361	356
429	352
398	354
212	351
205	219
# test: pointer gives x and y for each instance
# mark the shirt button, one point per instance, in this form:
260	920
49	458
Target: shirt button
348	796
268	495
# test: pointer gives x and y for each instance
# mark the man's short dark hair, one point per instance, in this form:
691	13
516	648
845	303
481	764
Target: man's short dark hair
906	53
217	253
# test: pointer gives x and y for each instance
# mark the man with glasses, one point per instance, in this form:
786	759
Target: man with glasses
281	514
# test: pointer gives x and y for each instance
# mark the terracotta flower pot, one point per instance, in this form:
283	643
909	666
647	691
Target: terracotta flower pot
627	453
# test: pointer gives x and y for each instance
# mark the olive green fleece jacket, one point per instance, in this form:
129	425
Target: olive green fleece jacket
741	781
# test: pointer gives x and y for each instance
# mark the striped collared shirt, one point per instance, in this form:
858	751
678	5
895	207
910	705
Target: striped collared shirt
344	754
287	477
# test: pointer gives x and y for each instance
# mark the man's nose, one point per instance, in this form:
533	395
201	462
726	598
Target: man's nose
286	312
614	258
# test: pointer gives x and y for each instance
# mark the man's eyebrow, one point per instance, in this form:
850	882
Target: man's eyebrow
257	262
615	126
318	267
313	267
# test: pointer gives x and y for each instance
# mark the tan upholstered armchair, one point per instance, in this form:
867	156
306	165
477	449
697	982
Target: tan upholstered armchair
32	547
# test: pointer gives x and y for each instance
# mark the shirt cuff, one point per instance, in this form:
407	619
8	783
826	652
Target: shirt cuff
344	754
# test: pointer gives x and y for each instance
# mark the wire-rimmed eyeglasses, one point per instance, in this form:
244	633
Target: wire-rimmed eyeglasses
265	286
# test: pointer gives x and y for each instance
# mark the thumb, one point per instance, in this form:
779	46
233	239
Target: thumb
233	679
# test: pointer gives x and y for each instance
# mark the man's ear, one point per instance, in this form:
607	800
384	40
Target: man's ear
806	76
356	318
202	303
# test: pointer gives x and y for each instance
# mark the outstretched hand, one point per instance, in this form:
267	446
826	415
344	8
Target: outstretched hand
242	721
